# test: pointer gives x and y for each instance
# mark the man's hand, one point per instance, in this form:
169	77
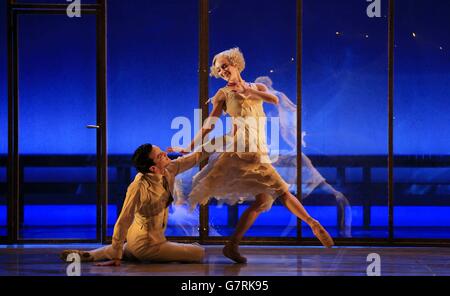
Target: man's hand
115	262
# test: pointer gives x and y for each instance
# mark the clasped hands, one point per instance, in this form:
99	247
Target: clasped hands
244	89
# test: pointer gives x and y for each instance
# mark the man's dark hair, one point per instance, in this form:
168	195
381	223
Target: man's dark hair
141	158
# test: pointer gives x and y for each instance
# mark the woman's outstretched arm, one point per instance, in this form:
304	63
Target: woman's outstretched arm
218	101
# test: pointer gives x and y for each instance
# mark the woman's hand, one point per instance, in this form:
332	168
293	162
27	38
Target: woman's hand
244	89
115	262
260	93
177	149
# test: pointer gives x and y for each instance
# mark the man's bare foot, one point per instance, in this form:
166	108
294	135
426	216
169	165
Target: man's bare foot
108	263
84	256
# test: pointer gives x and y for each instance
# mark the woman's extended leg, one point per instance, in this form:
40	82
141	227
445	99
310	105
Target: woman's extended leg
262	203
296	208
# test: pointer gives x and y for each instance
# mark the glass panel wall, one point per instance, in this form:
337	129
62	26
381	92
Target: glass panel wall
345	118
153	97
265	32
421	130
152	93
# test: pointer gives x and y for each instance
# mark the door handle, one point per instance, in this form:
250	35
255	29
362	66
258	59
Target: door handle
92	126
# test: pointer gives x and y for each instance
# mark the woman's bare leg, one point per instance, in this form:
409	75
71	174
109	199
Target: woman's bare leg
245	222
296	208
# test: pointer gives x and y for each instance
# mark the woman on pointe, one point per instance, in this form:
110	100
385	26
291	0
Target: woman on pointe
241	169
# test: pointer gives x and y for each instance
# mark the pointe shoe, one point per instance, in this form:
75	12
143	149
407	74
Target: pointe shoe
84	256
230	250
321	234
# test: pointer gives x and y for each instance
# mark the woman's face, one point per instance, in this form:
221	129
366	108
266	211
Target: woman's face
225	69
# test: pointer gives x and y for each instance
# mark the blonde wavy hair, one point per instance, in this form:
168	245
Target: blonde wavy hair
234	56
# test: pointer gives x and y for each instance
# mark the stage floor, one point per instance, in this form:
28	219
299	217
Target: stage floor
43	260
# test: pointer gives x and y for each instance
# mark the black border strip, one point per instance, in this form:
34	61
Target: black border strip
203	95
391	119
299	107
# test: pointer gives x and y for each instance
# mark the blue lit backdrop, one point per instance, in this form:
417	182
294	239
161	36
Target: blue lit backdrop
349	69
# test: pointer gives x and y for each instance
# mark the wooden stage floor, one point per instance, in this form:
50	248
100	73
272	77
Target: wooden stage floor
43	260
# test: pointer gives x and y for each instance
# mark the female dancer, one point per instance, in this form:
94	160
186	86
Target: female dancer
242	171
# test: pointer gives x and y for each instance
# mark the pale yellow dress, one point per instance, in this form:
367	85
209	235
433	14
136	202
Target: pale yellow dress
238	176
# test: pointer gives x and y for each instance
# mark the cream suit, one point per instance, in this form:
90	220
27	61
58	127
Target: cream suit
143	220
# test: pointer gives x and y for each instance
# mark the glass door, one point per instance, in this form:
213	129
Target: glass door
58	192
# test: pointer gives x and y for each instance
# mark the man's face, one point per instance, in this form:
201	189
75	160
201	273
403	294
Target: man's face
160	159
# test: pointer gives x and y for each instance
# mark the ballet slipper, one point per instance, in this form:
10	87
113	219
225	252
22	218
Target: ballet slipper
231	251
321	233
84	256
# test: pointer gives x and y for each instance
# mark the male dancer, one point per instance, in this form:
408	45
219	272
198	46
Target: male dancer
143	219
